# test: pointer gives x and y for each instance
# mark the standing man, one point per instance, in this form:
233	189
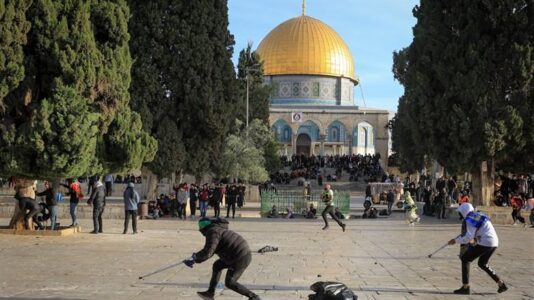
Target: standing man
390	199
75	193
479	229
193	197
328	200
182	199
108	180
50	198
98	200
234	255
131	200
217	199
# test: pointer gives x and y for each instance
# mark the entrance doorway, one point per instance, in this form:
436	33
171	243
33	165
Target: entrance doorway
304	144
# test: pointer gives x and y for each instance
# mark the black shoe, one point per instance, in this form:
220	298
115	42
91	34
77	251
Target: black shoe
207	295
255	297
325	227
125	232
502	288
343	227
462	291
100	231
93	232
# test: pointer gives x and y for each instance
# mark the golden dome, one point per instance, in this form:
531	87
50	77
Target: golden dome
305	46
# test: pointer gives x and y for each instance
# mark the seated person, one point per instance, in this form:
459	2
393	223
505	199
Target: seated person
312	212
273	213
289	213
153	210
338	213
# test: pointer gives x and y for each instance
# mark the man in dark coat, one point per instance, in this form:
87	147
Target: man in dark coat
234	255
98	201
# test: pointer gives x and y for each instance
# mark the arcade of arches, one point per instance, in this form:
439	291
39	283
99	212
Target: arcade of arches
353	131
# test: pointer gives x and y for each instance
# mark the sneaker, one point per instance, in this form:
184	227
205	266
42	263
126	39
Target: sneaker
462	291
343	227
325	227
502	288
207	295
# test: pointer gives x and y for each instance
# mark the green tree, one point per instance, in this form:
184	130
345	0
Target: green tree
468	82
157	79
13	30
65	110
209	83
250	68
243	156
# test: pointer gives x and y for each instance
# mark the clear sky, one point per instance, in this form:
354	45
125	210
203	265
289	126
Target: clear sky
372	29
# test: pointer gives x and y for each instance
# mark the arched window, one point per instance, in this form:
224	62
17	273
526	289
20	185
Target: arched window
335	134
286	134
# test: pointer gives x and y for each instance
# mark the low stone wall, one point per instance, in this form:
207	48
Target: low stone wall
498	215
84	211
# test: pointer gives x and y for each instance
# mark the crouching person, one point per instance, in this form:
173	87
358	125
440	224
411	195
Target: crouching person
234	255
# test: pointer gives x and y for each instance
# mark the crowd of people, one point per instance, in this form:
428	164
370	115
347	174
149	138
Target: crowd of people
201	197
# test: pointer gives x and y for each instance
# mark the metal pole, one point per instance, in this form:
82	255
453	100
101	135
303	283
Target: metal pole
247	100
161	270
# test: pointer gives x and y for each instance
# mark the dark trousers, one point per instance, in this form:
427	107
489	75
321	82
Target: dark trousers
109	188
181	210
30	205
232	275
230	205
473	253
329	209
516	215
174	208
217	209
98	210
442	211
193	206
390	206
127	215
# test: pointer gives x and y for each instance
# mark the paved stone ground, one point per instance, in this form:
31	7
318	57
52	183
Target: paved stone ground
378	259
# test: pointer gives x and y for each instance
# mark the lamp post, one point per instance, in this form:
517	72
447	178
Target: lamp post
247	73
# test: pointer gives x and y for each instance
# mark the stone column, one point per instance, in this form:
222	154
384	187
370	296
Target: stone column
322	139
293	144
350	145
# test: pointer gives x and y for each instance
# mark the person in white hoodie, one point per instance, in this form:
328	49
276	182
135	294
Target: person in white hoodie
482	240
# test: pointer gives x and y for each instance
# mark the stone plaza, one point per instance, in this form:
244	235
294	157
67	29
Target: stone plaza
378	259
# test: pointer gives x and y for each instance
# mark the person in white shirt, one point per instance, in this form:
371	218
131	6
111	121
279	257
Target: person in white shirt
482	240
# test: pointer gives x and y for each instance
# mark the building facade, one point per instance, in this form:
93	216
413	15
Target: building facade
312	112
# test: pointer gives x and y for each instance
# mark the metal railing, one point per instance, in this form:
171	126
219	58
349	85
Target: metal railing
298	202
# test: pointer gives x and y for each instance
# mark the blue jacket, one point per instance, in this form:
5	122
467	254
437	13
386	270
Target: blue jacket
131	199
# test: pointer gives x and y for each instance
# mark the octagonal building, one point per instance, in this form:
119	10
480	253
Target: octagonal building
312	74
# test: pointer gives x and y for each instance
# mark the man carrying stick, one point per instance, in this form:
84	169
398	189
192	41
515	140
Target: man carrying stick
234	255
480	230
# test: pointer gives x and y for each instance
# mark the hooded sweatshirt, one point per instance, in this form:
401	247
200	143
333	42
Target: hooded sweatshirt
485	234
228	245
130	197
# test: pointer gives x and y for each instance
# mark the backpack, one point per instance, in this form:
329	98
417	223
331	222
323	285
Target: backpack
78	190
383	212
331	291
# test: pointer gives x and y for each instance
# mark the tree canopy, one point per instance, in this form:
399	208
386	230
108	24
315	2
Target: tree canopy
184	81
468	79
250	67
243	155
64	110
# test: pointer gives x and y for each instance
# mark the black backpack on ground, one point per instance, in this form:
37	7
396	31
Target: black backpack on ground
383	212
328	290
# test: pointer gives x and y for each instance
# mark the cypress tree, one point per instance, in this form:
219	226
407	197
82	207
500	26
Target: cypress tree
156	79
209	92
65	112
250	67
468	82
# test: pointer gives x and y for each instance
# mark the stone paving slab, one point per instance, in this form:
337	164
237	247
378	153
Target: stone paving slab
378	259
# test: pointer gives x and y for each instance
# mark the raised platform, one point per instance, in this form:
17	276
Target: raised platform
62	231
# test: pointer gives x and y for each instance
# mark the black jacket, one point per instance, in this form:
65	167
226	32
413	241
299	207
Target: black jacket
50	196
228	245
